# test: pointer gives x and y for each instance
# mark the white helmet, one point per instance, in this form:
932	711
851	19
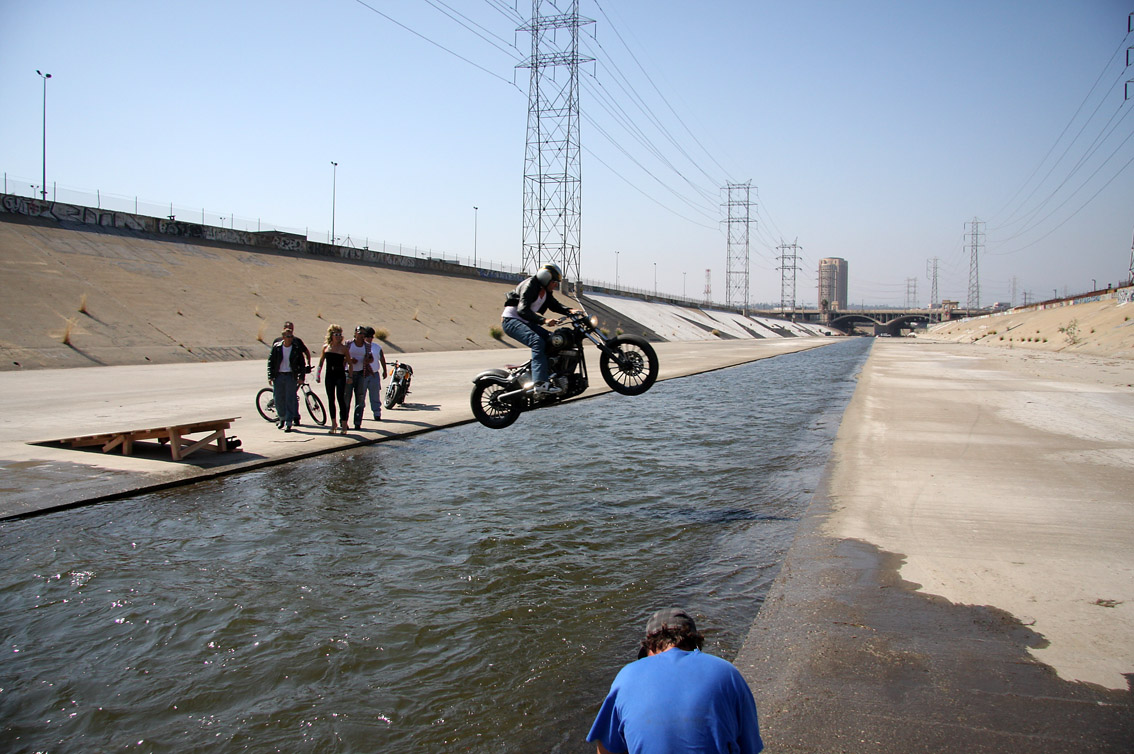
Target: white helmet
549	274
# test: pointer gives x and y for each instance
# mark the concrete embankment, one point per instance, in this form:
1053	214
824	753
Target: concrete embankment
91	288
964	581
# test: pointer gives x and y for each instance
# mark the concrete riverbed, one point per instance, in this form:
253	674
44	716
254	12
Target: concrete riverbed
965	580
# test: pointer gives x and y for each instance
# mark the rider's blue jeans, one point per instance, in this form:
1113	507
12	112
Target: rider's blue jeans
534	338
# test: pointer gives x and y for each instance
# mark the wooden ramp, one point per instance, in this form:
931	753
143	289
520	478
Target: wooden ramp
175	435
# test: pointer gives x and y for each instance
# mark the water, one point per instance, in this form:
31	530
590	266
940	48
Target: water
465	590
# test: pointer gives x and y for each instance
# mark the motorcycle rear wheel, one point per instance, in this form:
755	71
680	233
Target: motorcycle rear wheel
638	370
489	410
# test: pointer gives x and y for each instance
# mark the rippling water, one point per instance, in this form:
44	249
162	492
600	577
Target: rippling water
465	590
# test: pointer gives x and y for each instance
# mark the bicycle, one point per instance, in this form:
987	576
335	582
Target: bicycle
266	404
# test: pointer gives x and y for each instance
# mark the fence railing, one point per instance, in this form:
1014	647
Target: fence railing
133	205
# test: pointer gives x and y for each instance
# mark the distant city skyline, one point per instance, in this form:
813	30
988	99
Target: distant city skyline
871	133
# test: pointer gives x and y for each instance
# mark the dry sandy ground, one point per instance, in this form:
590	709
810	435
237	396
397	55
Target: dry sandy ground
1097	328
1004	478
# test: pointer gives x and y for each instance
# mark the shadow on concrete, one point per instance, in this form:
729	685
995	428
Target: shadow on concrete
846	656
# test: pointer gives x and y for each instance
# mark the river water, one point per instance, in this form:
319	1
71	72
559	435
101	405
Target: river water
463	590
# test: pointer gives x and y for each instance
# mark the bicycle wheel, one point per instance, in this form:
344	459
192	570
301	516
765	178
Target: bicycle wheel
315	407
266	404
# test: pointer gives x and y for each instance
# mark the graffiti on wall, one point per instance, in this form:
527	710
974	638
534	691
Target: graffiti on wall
71	213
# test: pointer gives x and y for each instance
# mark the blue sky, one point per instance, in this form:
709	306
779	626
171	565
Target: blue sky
872	131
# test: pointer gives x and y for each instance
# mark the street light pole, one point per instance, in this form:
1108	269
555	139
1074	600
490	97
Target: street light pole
43	188
476	214
334	192
655	279
616	269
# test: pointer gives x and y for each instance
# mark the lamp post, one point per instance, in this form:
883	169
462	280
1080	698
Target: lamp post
655	279
43	187
475	216
334	192
616	269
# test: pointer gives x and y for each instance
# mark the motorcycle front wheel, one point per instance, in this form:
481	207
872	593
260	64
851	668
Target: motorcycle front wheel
489	410
638	369
391	398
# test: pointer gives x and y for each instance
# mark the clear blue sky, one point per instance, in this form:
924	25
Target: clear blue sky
871	131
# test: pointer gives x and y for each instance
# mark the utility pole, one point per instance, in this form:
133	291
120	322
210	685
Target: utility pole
788	267
931	273
43	188
974	235
739	208
1012	301
334	194
552	168
1130	277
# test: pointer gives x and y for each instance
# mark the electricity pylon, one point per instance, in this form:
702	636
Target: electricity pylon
788	267
931	273
552	170
974	235
739	207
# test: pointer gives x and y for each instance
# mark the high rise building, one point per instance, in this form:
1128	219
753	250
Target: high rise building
833	283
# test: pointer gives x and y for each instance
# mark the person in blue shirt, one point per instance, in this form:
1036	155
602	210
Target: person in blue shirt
675	699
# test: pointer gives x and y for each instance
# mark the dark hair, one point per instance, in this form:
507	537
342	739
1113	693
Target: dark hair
681	637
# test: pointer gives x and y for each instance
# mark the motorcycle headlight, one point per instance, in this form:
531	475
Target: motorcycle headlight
594	321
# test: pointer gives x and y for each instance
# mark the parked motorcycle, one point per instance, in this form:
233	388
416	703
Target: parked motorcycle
628	363
400	376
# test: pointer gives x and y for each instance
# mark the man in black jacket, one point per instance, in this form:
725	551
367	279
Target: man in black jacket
523	320
285	367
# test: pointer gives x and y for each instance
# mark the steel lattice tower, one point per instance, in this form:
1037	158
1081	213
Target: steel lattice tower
931	273
552	173
739	206
788	267
708	287
974	267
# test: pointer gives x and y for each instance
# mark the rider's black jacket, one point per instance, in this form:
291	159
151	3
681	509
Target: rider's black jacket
524	297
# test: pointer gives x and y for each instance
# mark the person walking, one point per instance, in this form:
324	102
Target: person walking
285	366
298	343
370	374
334	355
675	698
358	358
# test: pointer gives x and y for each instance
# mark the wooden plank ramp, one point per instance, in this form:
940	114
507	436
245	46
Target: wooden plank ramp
177	436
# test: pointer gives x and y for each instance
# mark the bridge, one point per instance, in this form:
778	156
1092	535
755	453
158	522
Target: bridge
874	321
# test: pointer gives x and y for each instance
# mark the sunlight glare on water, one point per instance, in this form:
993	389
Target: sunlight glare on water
467	589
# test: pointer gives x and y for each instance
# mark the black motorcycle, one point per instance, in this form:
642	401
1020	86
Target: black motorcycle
400	376
628	363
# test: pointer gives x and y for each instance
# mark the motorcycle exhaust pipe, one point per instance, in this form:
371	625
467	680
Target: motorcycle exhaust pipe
512	394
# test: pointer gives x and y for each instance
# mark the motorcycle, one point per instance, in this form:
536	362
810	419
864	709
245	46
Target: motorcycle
400	376
628	364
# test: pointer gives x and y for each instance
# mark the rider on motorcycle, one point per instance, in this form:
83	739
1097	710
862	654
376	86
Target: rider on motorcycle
522	319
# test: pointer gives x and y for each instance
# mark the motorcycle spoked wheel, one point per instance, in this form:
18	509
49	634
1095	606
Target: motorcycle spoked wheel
639	369
391	398
488	410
